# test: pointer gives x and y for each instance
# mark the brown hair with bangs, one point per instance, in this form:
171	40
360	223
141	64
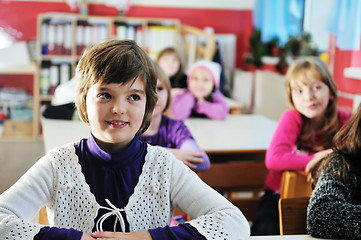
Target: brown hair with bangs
119	62
296	75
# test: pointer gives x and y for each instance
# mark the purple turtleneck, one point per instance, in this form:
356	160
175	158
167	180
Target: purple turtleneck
119	172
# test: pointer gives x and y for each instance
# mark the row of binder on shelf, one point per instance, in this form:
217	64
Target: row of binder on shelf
153	40
52	74
57	37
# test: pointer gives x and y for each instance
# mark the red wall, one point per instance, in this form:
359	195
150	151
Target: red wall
19	19
345	59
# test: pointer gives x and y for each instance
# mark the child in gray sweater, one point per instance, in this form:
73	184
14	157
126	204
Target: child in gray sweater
334	210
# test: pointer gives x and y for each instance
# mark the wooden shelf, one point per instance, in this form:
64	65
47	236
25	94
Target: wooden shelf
22	130
109	27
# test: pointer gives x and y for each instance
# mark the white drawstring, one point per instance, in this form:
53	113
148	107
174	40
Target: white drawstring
113	211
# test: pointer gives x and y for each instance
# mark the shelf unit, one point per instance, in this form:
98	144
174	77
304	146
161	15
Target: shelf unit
62	37
21	129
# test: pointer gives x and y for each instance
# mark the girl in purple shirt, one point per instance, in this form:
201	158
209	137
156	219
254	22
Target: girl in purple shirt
303	135
202	98
173	134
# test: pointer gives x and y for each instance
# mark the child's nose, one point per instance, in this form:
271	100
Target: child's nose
119	107
309	94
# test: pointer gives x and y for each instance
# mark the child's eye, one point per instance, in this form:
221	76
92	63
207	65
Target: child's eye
134	97
104	96
297	91
317	87
159	89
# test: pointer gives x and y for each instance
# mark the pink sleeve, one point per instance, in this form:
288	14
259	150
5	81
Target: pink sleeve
280	155
218	109
343	117
182	105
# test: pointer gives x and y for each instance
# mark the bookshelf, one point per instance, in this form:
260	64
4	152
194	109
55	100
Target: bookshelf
62	37
20	101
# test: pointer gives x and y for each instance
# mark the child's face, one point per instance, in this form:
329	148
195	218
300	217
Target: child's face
201	83
162	98
115	113
311	99
169	63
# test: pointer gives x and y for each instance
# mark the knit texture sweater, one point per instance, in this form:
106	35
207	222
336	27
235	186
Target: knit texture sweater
56	180
334	210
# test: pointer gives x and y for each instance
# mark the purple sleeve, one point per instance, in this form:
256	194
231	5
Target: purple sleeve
182	231
280	155
182	104
178	132
184	140
218	109
58	234
192	145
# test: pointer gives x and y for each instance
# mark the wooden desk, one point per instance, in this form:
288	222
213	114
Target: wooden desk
238	134
284	237
239	137
59	132
234	106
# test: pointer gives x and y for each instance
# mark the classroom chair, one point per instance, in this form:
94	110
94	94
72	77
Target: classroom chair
43	216
234	178
198	44
294	184
293	215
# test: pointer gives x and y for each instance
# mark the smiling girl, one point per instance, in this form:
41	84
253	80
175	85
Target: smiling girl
111	185
303	135
202	98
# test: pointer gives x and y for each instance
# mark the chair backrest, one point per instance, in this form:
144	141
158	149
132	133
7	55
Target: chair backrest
293	215
198	44
295	184
238	177
43	216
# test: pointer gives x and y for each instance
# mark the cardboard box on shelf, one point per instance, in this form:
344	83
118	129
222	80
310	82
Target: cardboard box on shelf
17	128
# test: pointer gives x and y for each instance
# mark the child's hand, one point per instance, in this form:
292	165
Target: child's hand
87	236
187	157
316	158
139	235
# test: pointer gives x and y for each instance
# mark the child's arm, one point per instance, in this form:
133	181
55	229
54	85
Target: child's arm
218	109
331	213
20	203
281	154
213	216
187	148
192	155
183	104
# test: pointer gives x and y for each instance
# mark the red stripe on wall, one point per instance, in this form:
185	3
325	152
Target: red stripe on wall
19	19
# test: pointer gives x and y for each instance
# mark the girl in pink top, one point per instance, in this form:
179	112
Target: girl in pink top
303	135
202	98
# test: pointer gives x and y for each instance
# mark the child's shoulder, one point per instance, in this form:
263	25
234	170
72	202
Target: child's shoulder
291	115
160	155
64	153
343	115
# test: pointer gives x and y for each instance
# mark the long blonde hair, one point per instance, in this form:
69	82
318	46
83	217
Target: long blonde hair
296	75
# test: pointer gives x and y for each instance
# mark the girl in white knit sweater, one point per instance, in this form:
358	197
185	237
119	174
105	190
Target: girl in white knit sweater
111	185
